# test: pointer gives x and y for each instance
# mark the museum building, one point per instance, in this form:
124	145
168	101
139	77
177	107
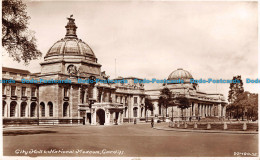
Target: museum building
92	103
202	104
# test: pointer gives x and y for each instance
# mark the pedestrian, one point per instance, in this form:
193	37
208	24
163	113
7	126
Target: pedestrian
199	118
190	119
152	122
135	121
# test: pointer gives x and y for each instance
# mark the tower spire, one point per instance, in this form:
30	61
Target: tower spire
71	27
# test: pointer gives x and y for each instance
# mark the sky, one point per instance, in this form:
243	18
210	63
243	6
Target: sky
152	39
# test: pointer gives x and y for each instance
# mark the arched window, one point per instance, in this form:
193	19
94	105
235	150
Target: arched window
135	111
23	109
13	109
3	108
125	111
50	105
42	109
65	109
33	109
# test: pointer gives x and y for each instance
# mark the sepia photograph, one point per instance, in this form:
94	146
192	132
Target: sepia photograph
142	79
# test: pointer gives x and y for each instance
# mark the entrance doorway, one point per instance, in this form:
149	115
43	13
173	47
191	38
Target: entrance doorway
89	118
100	117
116	119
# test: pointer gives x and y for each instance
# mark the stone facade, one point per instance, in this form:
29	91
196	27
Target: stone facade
91	103
71	102
202	104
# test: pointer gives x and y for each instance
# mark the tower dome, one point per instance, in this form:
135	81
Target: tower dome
71	56
71	45
180	74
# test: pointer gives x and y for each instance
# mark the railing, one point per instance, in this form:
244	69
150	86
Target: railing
36	121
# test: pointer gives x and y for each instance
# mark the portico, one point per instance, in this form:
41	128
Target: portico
106	114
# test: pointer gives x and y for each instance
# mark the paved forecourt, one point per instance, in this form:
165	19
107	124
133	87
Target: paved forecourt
125	140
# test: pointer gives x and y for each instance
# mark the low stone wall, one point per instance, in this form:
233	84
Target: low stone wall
232	126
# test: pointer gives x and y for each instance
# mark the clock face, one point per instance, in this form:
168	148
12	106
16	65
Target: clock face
92	78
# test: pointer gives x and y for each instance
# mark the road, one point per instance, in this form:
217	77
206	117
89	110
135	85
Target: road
125	140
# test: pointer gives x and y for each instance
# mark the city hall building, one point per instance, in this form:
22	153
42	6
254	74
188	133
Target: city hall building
69	102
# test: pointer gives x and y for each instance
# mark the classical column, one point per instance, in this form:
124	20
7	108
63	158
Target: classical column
209	110
224	111
196	109
95	92
193	109
219	110
79	93
212	110
93	116
70	101
101	96
121	117
206	110
129	108
139	112
202	110
107	117
16	110
190	110
199	109
186	113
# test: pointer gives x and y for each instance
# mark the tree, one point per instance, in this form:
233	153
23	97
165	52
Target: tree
148	106
236	89
183	103
247	103
165	99
17	39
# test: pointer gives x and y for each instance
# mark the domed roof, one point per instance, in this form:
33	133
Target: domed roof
71	45
180	74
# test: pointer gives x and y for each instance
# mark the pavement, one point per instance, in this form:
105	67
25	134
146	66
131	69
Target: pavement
126	140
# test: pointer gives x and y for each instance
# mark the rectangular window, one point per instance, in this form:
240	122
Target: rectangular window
122	100
33	92
65	92
126	101
3	89
90	92
13	88
82	96
23	91
135	100
117	99
141	100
